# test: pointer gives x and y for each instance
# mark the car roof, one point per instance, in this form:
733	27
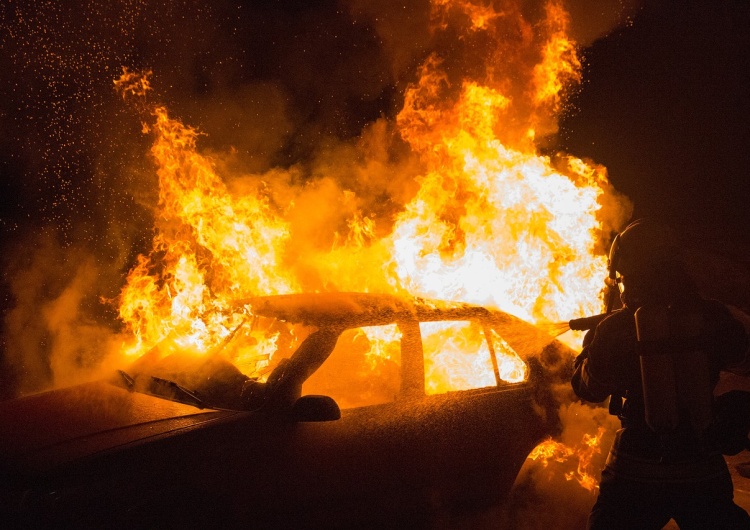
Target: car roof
349	310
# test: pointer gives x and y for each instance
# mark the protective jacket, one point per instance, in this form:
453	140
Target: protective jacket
609	365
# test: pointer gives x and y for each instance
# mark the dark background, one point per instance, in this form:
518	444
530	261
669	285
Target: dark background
664	105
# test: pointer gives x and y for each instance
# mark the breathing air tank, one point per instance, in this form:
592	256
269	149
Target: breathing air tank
674	369
657	368
692	366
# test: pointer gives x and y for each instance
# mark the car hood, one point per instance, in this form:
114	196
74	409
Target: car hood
45	430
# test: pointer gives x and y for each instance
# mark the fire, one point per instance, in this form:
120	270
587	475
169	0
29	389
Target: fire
447	348
383	340
134	83
560	65
496	225
493	222
564	455
211	248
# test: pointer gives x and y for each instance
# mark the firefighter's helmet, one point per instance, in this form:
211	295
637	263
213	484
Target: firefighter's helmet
642	245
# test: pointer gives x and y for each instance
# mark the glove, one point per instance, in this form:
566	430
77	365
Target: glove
579	359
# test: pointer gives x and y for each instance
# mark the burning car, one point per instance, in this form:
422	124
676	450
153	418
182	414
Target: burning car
347	419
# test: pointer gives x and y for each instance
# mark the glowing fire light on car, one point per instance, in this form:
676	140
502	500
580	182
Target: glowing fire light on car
493	221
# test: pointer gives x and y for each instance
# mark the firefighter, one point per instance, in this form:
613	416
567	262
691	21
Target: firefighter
658	360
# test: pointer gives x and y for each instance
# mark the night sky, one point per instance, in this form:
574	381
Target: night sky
664	105
666	108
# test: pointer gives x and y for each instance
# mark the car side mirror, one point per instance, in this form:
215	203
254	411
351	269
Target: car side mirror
315	408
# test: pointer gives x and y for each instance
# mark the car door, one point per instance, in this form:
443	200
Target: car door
441	434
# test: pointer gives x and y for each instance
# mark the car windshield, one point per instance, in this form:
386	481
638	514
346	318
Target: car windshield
221	378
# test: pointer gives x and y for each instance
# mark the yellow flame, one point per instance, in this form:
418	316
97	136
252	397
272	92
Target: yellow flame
210	249
581	456
495	225
493	222
383	343
560	66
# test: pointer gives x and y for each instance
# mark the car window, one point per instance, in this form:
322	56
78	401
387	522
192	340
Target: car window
364	369
457	356
368	365
511	368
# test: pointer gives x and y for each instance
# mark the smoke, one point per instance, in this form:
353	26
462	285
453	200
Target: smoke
296	101
59	331
594	19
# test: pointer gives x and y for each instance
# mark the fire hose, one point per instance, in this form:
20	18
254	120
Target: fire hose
590	322
586	323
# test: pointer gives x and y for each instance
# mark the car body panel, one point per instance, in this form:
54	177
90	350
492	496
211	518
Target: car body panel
98	453
47	429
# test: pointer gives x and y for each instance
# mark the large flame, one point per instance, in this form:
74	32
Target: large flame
493	222
210	249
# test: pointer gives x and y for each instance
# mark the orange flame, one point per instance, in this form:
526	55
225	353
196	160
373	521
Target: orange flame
493	222
211	249
133	83
581	456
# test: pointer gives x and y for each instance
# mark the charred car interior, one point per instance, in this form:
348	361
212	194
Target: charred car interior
336	415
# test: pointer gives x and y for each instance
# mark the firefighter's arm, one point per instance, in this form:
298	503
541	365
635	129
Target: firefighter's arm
586	386
740	364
